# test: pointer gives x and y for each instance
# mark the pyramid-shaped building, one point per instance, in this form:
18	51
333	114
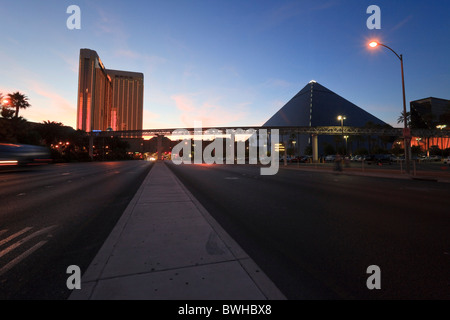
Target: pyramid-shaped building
316	105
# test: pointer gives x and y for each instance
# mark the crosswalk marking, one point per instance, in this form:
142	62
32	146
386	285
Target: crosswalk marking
15	235
18	243
19	258
22	241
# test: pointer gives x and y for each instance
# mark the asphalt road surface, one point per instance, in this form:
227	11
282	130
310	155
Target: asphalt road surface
316	234
55	216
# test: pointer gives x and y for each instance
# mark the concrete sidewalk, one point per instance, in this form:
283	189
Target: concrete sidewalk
167	247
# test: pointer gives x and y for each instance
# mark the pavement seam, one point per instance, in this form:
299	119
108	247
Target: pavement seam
160	270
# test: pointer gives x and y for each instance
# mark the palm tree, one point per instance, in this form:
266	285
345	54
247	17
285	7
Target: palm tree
5	112
19	101
401	119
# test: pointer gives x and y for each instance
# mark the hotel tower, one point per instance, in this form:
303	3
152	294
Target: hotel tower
108	99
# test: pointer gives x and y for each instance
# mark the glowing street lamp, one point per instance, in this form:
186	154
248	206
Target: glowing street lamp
342	118
346	144
293	144
406	132
442	127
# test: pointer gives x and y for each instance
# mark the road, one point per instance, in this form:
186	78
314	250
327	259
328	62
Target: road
55	216
315	234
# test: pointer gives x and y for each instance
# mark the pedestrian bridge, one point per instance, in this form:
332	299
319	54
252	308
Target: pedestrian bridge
313	131
319	130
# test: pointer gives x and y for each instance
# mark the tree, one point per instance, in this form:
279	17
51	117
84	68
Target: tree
401	119
18	101
7	113
53	132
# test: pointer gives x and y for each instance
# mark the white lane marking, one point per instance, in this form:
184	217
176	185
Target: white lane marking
22	241
19	258
2	242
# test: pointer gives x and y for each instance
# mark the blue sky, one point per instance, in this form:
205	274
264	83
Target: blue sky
228	62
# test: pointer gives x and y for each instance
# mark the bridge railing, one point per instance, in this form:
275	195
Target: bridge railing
319	130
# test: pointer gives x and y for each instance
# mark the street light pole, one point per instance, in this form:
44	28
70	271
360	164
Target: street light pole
342	118
406	132
441	127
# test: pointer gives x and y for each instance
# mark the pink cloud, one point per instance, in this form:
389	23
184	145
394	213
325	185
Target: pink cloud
47	104
209	112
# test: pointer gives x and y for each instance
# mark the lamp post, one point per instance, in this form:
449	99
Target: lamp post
346	145
406	131
441	127
342	118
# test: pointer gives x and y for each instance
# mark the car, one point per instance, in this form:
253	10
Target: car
394	158
383	158
447	160
330	157
378	159
23	155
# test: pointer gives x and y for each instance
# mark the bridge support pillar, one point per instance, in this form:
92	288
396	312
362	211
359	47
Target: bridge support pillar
315	148
91	147
159	147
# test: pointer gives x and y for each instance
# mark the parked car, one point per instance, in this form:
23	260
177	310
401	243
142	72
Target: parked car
447	161
379	159
394	158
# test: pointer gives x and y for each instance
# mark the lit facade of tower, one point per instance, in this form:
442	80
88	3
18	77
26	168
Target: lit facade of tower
127	100
108	99
94	93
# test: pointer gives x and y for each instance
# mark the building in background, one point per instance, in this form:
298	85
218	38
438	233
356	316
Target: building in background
94	93
429	113
127	100
108	99
315	105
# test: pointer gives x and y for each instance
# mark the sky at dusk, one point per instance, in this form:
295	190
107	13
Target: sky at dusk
229	62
